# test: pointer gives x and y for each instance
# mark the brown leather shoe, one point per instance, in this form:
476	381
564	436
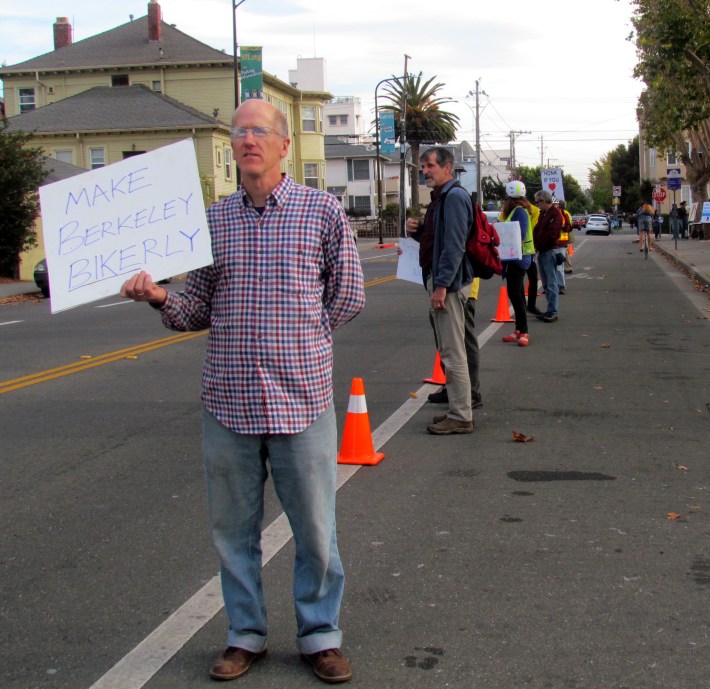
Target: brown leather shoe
234	662
330	666
448	426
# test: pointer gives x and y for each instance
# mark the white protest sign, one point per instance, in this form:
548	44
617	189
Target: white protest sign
511	244
143	213
705	217
408	265
552	182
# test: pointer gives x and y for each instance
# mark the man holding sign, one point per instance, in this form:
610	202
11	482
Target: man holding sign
286	273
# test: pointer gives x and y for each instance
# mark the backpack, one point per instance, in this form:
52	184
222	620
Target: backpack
481	246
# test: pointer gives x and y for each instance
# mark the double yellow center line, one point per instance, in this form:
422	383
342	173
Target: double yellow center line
129	352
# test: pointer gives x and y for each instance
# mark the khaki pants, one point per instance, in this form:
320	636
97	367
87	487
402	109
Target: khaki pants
450	329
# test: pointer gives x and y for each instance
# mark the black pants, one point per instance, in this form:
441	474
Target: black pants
515	284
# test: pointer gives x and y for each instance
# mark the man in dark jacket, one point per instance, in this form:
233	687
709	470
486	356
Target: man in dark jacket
546	236
449	284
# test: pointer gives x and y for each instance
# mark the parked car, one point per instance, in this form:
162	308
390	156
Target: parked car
598	223
579	222
41	277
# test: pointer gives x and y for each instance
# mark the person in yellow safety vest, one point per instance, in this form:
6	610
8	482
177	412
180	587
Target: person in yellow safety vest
515	209
561	247
568	263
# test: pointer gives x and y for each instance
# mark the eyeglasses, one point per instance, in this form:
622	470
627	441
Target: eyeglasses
258	132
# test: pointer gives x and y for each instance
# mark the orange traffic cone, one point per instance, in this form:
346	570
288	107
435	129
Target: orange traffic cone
570	249
438	377
356	446
503	312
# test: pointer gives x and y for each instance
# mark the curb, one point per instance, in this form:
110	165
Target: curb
684	264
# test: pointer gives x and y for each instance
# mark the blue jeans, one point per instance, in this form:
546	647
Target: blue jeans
561	269
303	468
547	265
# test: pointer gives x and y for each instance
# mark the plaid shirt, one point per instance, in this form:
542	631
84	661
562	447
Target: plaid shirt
281	282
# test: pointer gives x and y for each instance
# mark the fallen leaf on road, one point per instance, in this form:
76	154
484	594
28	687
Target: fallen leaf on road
130	356
680	467
695	508
605	346
598	387
522	438
85	356
413	395
672	515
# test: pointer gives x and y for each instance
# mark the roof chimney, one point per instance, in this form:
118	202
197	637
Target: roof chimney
62	33
154	19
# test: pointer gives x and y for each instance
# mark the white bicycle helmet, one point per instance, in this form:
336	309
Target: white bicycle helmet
515	189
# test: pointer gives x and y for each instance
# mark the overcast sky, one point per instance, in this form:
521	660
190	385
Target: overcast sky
559	69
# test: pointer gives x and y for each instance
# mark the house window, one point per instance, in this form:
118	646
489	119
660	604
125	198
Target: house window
672	159
130	154
218	156
27	100
157	86
358	169
97	158
308	118
227	163
332	120
310	175
343	120
360	204
652	158
119	80
64	156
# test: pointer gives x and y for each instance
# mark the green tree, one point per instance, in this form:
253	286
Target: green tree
493	190
673	47
425	121
21	173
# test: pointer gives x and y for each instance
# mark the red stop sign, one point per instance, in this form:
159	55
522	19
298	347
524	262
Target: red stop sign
659	194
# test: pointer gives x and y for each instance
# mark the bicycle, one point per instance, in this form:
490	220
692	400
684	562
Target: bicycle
643	238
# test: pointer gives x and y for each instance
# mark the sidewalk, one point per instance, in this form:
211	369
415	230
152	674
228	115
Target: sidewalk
691	254
13	289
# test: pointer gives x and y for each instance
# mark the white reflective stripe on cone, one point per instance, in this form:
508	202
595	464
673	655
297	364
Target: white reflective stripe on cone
357	404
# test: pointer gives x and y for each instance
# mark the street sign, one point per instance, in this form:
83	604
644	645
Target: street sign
616	191
674	178
659	194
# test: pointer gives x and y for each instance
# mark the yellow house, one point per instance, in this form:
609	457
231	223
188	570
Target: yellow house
143	85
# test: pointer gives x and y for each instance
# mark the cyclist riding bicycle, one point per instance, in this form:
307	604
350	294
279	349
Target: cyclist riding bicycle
644	220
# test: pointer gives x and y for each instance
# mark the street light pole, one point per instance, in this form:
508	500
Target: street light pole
378	163
479	200
403	153
236	4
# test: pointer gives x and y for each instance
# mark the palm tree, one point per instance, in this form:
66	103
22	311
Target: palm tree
425	121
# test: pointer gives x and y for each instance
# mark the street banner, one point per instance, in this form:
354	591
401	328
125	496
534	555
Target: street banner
142	213
673	178
511	244
408	264
252	75
387	131
552	182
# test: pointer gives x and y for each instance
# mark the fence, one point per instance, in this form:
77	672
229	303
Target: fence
367	227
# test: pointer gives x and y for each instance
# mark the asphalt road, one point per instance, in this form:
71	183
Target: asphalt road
472	561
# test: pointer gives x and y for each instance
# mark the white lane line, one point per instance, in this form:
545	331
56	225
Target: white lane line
115	303
137	668
377	258
11	322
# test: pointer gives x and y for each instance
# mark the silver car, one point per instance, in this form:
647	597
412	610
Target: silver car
598	223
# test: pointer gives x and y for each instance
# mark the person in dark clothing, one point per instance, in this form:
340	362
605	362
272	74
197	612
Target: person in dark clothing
546	235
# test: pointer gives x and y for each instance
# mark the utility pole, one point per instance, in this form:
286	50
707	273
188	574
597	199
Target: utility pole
512	135
403	153
479	198
542	153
